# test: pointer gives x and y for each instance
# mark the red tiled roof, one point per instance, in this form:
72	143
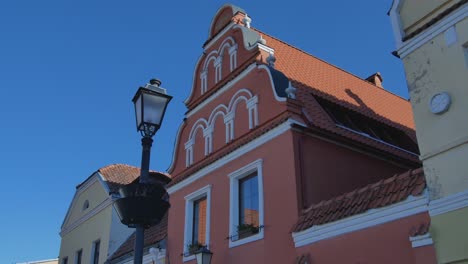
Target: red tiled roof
321	78
153	235
380	194
121	174
314	77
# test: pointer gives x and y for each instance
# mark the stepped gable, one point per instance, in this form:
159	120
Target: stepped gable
383	193
117	175
153	235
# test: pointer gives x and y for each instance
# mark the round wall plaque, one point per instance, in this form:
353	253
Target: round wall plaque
440	103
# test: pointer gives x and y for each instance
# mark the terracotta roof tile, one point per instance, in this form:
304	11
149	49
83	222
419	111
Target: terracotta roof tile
315	77
153	235
377	195
117	175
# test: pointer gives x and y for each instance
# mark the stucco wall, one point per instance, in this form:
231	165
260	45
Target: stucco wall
280	208
329	170
385	243
95	194
450	233
82	237
415	13
430	69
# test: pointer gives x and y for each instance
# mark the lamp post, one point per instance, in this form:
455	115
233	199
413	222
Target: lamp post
150	106
144	203
204	256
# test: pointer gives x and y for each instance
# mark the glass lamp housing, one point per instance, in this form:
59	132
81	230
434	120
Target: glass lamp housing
204	256
150	106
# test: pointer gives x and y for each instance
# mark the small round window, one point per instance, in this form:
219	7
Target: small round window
85	205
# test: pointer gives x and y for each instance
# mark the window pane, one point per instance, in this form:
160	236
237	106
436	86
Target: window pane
248	201
78	256
199	221
96	252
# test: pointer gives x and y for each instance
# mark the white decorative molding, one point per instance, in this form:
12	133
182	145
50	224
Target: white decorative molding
228	113
225	88
103	205
174	149
450	36
395	19
449	203
234	178
455	143
188	228
285	126
411	206
420	241
82	188
204	81
412	44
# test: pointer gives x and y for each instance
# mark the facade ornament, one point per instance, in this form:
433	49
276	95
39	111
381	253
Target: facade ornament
247	20
271	60
291	91
262	40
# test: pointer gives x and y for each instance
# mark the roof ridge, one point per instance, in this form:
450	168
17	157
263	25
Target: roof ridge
326	62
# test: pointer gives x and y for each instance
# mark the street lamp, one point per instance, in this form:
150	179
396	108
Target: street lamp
144	203
204	256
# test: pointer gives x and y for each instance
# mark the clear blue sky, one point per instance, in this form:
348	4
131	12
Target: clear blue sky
69	68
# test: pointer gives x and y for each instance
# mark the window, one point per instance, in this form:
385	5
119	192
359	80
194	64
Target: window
85	205
65	260
197	221
79	256
368	127
465	50
246	204
95	250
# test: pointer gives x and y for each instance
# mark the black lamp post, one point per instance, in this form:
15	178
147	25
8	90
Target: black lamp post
204	256
144	203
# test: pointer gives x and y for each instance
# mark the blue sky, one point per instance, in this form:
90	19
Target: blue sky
69	68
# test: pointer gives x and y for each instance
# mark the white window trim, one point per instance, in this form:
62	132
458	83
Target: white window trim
76	256
189	199
93	250
421	241
234	178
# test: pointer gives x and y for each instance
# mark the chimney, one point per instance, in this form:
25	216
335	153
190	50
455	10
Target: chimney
376	79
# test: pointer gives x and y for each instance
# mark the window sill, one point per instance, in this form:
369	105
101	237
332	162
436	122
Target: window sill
188	258
246	240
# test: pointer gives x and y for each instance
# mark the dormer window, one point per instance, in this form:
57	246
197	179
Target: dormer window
85	205
368	127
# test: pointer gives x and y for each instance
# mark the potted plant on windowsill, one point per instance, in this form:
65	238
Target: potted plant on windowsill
194	248
246	230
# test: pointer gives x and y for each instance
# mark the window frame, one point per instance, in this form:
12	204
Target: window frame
188	229
234	178
64	260
93	251
79	254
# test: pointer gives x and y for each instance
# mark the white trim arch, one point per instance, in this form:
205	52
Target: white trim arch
228	113
217	56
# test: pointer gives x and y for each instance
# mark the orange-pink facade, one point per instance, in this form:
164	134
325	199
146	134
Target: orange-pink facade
242	110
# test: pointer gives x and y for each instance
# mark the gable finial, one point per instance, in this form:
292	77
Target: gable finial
261	40
247	20
271	60
291	91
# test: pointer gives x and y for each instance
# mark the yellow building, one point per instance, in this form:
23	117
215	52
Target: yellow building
432	41
91	231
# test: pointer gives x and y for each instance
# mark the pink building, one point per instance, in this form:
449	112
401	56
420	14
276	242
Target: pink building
285	158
